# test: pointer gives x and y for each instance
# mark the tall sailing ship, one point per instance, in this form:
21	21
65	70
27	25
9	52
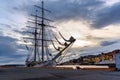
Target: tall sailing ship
39	51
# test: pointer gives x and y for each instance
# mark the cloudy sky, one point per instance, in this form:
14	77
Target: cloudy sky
94	23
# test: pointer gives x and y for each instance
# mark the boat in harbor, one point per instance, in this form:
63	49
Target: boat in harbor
41	38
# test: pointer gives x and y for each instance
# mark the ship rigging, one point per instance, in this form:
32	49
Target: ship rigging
39	52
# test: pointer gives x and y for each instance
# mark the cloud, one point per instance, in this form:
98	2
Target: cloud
94	12
111	2
107	16
107	43
73	9
6	25
10	50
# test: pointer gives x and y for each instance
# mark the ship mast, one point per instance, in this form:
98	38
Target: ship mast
42	25
35	36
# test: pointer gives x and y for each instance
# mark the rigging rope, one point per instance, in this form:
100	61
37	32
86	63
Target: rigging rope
59	42
47	50
28	56
64	38
58	49
64	53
